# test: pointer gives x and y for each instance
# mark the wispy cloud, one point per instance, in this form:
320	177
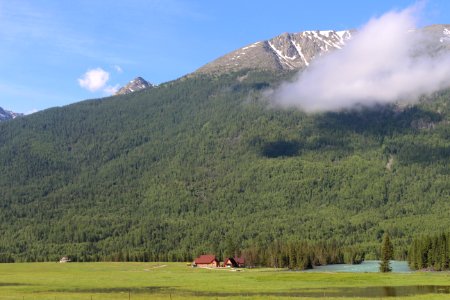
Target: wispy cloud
24	23
177	8
111	90
118	69
34	110
385	62
31	97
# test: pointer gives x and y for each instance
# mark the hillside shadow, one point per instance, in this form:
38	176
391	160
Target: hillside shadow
421	153
380	120
280	148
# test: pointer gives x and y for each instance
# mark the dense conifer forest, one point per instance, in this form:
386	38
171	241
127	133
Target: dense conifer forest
204	164
430	252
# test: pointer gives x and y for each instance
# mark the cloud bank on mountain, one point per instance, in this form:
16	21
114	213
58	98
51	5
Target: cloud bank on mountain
386	61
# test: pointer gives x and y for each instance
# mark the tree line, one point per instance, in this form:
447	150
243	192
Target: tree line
430	252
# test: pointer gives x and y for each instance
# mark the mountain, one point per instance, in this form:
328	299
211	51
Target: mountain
202	165
288	51
134	85
8	115
440	32
295	51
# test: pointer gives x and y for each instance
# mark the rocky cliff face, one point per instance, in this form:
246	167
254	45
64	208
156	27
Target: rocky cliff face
134	85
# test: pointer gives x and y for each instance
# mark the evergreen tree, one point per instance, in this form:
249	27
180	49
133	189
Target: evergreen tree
387	251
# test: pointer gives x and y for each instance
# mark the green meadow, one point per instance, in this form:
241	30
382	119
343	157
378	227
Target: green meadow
179	281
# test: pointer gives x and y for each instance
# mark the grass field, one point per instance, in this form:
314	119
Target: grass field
178	281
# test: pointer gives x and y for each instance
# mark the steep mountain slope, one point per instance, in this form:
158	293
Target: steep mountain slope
8	115
134	85
199	164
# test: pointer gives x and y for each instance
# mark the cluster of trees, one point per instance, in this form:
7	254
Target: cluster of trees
292	254
172	172
430	252
301	255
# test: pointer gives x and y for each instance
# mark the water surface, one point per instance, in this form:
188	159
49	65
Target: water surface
368	266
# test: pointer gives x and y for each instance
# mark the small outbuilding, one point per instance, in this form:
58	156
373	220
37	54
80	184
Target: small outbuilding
236	262
229	262
206	261
240	261
64	259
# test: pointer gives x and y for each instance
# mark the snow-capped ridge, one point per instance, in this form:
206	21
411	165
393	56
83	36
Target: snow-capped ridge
296	51
288	51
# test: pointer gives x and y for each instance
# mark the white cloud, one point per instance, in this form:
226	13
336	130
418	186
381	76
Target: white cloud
34	110
385	62
111	90
94	80
118	69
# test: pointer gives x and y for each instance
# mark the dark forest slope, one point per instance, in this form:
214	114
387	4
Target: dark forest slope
201	163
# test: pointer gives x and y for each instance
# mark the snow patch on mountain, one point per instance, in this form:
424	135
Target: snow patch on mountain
446	36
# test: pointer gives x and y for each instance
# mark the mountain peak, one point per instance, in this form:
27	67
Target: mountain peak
288	51
8	115
134	85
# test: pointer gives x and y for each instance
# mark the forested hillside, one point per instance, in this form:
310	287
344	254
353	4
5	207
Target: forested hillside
203	164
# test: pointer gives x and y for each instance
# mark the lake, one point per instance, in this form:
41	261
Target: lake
367	266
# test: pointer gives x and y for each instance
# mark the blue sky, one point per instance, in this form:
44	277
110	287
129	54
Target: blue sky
48	46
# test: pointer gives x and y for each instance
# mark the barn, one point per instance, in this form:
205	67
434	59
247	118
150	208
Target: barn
236	262
206	261
229	262
240	261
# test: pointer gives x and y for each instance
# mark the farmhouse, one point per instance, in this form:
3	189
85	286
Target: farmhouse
205	261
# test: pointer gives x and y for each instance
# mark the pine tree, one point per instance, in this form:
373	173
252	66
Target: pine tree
387	251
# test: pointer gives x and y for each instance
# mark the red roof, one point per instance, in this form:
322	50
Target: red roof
239	260
205	259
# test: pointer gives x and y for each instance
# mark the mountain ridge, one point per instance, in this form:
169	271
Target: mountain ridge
287	51
295	51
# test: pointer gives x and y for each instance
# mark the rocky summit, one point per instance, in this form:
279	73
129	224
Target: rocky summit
134	85
8	115
288	51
